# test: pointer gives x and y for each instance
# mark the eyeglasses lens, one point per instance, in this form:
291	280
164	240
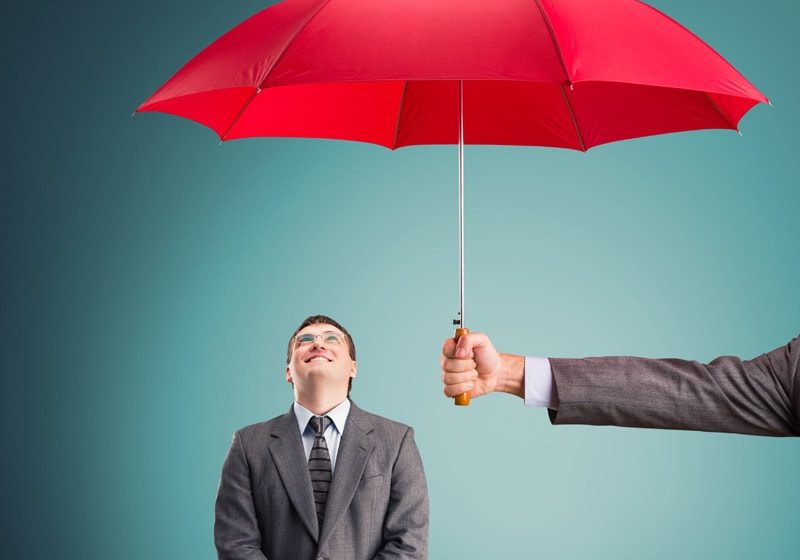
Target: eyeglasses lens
330	337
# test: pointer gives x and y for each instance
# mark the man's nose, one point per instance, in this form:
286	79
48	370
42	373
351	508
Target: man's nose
319	342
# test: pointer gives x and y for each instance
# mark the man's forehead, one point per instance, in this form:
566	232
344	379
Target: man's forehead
318	328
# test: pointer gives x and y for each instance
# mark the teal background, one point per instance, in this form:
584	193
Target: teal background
151	278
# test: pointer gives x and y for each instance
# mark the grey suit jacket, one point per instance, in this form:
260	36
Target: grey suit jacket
377	506
760	396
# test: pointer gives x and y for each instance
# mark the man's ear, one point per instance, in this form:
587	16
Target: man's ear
288	375
353	369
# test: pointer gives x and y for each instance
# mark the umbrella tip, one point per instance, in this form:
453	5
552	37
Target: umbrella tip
739	131
134	113
769	102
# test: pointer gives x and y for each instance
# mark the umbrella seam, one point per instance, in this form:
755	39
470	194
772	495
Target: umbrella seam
720	111
278	59
574	120
709	47
289	42
550	30
245	105
399	114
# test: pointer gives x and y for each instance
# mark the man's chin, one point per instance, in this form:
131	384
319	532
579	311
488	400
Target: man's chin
319	369
321	381
324	374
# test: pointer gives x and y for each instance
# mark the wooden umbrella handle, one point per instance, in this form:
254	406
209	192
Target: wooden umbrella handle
463	398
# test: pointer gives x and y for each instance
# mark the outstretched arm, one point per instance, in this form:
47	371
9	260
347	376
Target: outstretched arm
759	396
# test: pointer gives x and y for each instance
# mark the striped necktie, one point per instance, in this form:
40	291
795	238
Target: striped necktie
319	465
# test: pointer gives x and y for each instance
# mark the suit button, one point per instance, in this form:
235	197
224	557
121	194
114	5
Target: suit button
320	558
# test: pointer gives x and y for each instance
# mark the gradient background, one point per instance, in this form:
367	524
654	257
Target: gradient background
151	278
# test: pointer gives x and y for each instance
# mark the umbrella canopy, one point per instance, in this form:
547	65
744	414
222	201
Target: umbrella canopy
560	73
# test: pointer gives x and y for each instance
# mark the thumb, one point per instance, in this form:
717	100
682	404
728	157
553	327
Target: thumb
470	343
464	347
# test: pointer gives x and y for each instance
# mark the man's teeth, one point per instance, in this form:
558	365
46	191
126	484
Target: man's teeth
318	359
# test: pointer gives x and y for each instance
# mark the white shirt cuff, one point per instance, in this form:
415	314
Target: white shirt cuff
538	382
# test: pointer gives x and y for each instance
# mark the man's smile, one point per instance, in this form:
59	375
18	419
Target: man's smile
317	358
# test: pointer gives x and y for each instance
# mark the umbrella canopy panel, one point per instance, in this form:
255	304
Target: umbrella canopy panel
561	73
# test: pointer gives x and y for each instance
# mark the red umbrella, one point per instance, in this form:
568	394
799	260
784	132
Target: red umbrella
561	73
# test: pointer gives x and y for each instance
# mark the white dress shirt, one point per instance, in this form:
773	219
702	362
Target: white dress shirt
539	383
333	433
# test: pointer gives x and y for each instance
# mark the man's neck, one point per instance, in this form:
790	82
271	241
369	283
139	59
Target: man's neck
320	404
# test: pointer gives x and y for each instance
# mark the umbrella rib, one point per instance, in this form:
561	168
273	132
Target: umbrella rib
278	58
244	106
702	41
399	114
720	111
574	120
285	48
546	19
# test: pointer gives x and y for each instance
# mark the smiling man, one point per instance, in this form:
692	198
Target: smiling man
326	480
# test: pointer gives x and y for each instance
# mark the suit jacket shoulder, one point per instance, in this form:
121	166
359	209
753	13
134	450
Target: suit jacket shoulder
262	429
385	426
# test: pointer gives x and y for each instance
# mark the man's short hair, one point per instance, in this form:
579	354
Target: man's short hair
323	320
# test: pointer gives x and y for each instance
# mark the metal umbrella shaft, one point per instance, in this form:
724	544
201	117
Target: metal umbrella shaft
463	398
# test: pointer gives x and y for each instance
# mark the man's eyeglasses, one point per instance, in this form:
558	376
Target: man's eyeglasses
329	337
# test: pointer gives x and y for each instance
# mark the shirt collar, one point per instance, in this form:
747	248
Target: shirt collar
338	415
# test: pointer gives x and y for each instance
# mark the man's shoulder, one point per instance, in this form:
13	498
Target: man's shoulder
379	423
261	426
263	429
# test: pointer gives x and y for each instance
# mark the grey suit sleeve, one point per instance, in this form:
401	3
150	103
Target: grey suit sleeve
405	528
760	396
236	532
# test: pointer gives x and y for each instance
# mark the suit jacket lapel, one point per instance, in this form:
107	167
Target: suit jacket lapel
290	458
354	450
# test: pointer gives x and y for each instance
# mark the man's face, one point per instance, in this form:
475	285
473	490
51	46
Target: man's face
321	362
